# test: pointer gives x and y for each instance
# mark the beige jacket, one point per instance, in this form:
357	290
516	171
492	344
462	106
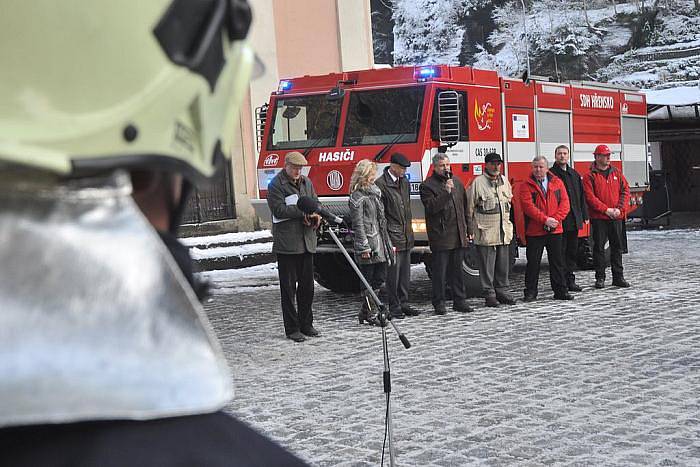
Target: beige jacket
488	210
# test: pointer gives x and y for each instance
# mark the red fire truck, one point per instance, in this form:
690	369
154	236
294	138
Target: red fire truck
339	119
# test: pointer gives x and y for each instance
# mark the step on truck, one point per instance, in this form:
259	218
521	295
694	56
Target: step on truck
338	119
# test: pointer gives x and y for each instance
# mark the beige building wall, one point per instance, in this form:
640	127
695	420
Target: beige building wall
294	38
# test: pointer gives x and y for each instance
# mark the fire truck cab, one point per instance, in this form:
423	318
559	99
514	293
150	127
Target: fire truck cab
338	119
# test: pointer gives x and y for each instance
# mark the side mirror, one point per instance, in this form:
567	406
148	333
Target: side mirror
449	120
335	94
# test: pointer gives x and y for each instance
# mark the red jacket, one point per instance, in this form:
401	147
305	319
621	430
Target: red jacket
605	192
537	208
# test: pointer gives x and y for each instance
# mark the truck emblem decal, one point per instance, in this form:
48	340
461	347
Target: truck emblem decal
334	180
483	115
271	160
336	156
597	102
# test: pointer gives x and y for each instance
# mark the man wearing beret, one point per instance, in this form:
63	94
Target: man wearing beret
396	197
294	243
488	215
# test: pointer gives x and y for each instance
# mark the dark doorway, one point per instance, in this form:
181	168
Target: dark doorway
213	203
681	162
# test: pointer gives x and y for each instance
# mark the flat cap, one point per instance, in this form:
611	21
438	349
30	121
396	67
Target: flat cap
492	157
398	158
295	158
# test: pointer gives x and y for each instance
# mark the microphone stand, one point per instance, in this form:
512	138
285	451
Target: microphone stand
383	320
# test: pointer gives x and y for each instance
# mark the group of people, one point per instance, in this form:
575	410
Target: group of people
556	202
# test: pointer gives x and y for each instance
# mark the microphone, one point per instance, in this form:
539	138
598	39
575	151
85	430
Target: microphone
308	205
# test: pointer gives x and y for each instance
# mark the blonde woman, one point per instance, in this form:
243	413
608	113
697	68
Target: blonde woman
373	250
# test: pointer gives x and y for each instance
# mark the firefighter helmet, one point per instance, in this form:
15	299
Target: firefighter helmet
602	149
124	84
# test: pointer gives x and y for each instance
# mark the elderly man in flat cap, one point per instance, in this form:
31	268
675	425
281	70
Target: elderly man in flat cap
396	197
294	243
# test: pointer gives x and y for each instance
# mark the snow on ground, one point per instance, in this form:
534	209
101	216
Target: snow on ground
230	281
230	251
238	237
677	46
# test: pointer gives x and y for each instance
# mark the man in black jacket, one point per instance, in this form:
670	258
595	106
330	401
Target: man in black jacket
396	197
445	204
578	214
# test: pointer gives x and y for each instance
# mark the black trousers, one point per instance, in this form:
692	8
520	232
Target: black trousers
534	250
612	232
569	249
296	273
446	265
399	280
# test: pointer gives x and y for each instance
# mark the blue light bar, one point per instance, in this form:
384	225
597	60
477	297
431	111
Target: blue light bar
285	85
426	72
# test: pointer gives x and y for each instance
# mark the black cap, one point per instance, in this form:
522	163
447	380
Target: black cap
492	157
398	158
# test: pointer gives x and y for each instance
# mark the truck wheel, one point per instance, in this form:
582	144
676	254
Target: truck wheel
584	259
332	271
470	269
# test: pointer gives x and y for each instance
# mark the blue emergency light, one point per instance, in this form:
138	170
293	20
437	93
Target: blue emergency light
285	85
426	72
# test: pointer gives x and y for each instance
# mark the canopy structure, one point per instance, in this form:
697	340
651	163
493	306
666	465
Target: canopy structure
674	103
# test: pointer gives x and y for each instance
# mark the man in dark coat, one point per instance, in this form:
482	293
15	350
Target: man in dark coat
445	203
577	215
396	197
294	243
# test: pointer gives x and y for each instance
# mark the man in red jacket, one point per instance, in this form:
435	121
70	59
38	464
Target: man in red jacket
607	194
545	204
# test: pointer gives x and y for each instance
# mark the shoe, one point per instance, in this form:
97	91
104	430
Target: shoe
491	301
408	311
621	282
563	296
505	299
529	298
397	314
310	332
440	309
599	283
296	337
462	307
365	315
574	287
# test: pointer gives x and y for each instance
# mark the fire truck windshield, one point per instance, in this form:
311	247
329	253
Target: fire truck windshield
384	116
301	122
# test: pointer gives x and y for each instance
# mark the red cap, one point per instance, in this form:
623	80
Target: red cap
602	149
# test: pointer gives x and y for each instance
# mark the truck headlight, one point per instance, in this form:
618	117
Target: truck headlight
418	225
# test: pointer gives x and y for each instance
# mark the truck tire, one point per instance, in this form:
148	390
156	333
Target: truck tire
332	271
470	269
584	258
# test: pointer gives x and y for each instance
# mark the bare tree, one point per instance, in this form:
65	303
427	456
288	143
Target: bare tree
585	12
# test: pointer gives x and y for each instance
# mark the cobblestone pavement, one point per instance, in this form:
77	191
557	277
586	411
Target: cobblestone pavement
612	378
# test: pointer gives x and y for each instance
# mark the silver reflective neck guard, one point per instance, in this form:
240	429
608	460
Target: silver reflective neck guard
96	319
